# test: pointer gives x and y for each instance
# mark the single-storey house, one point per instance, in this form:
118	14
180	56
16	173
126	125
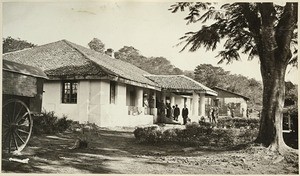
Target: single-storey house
182	90
227	100
88	86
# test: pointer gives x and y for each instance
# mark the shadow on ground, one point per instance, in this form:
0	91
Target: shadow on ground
118	152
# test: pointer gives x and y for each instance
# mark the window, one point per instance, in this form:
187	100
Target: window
69	92
112	92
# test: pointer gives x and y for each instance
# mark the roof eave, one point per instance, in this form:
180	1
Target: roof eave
135	83
206	92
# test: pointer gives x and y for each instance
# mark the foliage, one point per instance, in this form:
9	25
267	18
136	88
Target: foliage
212	76
49	123
237	23
150	134
228	122
209	75
153	65
189	73
196	134
291	93
10	44
97	45
262	29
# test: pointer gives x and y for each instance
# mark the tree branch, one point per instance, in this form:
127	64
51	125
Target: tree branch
252	19
285	29
267	32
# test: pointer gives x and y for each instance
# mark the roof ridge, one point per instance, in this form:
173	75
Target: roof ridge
70	44
197	82
17	51
231	92
74	46
38	46
162	75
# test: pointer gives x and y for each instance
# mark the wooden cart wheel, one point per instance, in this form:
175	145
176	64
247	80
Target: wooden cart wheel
16	125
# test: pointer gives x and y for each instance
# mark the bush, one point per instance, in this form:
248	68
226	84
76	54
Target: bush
196	134
62	124
49	123
148	134
169	135
229	122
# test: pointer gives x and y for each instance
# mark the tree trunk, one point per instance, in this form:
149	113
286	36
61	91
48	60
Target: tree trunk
270	132
273	46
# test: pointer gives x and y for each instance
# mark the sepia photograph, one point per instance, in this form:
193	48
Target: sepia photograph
149	87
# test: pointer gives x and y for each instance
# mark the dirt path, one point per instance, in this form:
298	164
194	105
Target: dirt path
118	152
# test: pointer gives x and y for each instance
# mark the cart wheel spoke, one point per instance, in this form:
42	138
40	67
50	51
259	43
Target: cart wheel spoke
9	143
16	125
19	137
6	135
5	125
15	140
19	119
23	131
13	116
5	118
17	116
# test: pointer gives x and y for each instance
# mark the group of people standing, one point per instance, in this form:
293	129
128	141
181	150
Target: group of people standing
213	114
173	112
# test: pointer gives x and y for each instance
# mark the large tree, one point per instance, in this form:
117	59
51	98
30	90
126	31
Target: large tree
266	30
153	65
10	44
97	45
209	75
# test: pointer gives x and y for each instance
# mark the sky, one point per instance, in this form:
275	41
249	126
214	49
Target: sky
148	26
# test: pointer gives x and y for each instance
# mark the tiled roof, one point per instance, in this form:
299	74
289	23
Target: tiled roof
63	58
116	66
180	82
23	69
236	94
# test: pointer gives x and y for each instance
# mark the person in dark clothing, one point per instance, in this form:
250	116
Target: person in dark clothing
168	110
215	114
185	113
162	109
172	112
176	112
232	112
247	113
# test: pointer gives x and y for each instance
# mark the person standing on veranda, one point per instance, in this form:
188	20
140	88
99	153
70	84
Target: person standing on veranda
176	112
185	113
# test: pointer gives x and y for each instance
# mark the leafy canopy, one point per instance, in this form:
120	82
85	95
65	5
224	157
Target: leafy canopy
10	44
239	24
97	45
212	76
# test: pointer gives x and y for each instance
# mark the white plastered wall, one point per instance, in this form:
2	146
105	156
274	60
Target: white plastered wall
93	104
52	101
117	114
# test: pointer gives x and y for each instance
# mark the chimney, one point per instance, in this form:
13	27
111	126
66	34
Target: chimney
109	52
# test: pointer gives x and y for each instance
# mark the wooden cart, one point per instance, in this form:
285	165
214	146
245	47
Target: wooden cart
22	89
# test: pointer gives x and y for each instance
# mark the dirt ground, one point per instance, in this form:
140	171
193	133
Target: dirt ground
117	152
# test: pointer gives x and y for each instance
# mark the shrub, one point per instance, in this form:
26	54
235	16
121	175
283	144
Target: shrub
238	122
169	135
195	134
62	124
148	134
49	123
246	135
